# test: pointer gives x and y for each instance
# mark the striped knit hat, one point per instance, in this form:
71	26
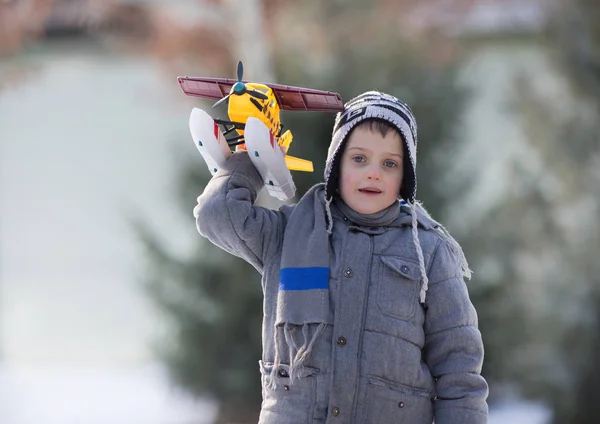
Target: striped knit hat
374	105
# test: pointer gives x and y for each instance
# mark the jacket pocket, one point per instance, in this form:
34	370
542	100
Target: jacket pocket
285	401
388	402
398	287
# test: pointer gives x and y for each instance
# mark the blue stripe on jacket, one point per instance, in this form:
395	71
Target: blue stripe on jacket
304	278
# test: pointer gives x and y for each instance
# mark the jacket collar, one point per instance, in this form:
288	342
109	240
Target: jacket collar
424	220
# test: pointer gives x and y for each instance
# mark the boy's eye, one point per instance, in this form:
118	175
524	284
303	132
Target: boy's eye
390	164
358	159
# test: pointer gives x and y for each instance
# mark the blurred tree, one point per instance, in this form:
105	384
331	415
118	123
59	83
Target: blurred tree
564	136
561	115
215	299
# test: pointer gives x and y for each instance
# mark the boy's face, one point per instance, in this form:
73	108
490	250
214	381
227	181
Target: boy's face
371	170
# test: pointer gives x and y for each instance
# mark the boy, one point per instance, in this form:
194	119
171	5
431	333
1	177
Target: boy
367	318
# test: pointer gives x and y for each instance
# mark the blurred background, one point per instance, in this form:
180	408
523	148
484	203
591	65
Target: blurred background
113	309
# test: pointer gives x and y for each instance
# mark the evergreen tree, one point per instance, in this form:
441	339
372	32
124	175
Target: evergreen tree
560	237
576	158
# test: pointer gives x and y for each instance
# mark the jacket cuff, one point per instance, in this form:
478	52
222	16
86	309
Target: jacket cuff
242	172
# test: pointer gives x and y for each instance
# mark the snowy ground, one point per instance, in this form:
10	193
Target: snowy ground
519	413
135	396
95	396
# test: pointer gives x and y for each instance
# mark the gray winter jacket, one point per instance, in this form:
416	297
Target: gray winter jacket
387	358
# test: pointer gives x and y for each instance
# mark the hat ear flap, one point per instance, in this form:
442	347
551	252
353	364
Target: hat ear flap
407	190
333	179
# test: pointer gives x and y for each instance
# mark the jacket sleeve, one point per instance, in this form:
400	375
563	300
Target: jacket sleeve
226	214
453	344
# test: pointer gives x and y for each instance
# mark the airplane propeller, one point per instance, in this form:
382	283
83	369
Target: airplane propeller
239	88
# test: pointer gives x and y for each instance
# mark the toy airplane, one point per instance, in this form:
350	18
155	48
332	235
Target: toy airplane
254	113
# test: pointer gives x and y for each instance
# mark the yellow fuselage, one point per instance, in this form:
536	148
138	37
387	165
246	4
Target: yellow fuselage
243	106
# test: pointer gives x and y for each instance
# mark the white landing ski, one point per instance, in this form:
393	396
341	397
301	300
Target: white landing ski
267	157
209	140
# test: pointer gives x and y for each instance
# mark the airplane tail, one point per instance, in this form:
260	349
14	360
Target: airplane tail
297	164
294	163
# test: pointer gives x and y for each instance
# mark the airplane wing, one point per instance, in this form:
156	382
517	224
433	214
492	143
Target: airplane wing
298	98
209	88
288	97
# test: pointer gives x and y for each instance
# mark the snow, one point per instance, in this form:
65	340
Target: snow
520	412
95	396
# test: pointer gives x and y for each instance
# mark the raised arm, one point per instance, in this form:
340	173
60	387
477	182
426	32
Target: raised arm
226	214
453	345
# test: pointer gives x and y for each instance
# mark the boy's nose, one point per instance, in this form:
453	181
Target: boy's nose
373	173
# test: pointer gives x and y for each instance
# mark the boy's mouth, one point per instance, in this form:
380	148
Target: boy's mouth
370	190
